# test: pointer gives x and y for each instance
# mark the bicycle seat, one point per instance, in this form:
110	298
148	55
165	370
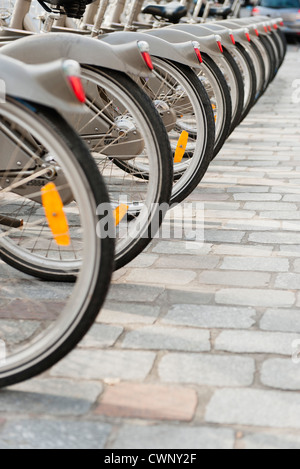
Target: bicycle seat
73	8
172	12
222	12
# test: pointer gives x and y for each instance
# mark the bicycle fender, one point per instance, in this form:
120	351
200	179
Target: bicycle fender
42	48
183	53
208	43
225	33
42	84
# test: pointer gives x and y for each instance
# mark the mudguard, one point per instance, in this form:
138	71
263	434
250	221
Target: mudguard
239	31
260	25
183	52
208	43
42	48
43	84
208	29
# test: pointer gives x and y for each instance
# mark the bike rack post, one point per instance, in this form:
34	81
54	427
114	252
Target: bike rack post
21	9
207	10
236	8
89	15
135	9
100	17
197	10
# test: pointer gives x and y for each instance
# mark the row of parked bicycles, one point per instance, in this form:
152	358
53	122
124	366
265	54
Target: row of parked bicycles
111	112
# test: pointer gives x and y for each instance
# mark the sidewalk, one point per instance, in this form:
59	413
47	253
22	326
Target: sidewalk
194	348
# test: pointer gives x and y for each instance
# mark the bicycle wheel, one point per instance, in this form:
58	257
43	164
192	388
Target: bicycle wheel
123	130
267	63
234	79
283	42
259	66
268	47
186	110
247	70
45	233
217	89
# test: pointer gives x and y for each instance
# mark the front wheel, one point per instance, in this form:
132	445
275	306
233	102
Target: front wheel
49	228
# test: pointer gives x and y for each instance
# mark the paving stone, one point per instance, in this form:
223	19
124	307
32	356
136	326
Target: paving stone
48	434
297	265
284	320
102	364
130	313
288	281
252	225
143	260
275	238
50	397
170	437
151	401
229	214
281	215
188	296
101	335
242	279
290	250
257	197
254	407
210	316
243	250
263	264
255	297
168	338
281	374
188	262
256	342
291	225
270	206
138	293
270	441
208	370
161	276
179	247
224	236
247	189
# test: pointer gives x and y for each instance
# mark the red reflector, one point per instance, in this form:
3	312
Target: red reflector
281	23
198	53
232	39
77	88
220	46
248	37
256	32
270	29
255	11
275	26
266	29
148	61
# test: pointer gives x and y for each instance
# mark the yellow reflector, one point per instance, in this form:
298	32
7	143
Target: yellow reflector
54	211
214	107
216	118
120	212
181	147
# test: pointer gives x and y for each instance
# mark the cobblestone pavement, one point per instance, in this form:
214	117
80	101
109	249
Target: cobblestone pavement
194	347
